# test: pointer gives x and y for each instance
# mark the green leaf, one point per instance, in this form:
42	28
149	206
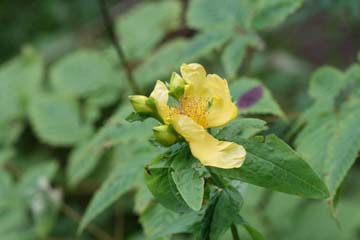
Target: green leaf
271	163
264	104
85	157
188	180
20	78
226	212
235	52
158	221
272	13
81	73
135	116
163	188
233	56
143	197
161	63
203	43
326	82
56	120
204	14
319	107
136	27
204	226
331	143
124	177
241	127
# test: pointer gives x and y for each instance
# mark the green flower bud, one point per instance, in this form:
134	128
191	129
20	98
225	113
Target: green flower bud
139	104
165	135
177	85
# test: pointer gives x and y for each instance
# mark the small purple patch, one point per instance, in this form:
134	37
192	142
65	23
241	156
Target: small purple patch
250	97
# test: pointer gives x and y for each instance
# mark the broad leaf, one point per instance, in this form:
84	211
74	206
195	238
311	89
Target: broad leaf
143	197
188	180
158	221
161	63
326	82
235	53
203	43
271	13
254	98
124	177
163	188
271	163
56	120
226	212
20	79
137	27
331	143
242	127
205	14
85	157
81	73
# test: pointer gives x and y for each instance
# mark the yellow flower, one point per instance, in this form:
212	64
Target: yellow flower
205	103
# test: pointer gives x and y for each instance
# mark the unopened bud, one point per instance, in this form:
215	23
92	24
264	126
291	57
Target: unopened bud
165	135
177	85
139	104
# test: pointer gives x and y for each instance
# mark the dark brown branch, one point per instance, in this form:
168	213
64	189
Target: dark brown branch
93	229
109	25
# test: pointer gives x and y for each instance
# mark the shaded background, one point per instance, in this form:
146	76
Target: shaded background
324	32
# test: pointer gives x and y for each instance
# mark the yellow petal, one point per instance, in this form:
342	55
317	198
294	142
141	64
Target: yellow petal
193	73
213	88
222	109
161	95
207	149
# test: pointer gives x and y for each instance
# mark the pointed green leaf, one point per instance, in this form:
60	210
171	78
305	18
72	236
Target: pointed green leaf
128	171
235	52
136	27
271	163
84	158
188	180
203	43
163	188
161	63
226	212
271	13
241	127
159	221
331	143
205	14
326	82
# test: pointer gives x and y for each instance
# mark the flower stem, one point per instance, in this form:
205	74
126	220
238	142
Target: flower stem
234	232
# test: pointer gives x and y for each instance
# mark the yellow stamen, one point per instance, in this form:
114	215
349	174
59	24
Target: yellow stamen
193	107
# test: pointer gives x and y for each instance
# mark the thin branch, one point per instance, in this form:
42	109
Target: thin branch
92	228
234	232
115	42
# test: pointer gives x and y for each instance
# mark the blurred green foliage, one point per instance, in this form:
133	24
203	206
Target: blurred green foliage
72	167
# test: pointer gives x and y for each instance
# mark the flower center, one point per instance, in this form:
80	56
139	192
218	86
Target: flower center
195	108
